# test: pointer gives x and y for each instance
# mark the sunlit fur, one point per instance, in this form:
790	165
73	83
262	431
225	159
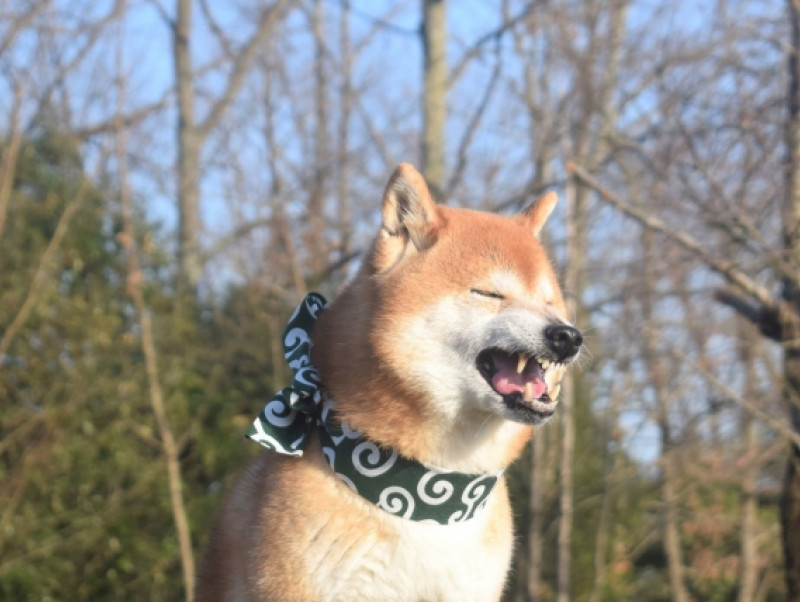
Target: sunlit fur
397	351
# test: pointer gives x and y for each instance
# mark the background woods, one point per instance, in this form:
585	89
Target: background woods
175	175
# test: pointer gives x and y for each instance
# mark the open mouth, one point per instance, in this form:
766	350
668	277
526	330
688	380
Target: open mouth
528	385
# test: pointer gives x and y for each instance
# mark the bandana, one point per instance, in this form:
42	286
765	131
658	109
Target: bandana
399	485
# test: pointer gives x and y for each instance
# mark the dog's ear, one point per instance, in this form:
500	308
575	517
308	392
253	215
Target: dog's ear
536	215
409	216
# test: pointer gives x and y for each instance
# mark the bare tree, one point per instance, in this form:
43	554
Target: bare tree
135	282
434	43
658	376
42	273
785	311
315	234
566	485
749	571
343	153
192	132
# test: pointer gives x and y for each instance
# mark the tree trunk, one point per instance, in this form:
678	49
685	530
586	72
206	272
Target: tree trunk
572	283
790	312
434	42
315	234
658	378
536	505
605	526
790	501
346	99
566	506
672	537
8	158
189	144
192	134
748	571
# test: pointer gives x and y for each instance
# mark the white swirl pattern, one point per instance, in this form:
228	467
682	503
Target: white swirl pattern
474	497
271	442
279	414
372	454
442	490
397	501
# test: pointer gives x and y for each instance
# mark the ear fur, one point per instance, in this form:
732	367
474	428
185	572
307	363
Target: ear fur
408	206
536	215
409	215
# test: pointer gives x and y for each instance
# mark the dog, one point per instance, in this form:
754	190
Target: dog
441	355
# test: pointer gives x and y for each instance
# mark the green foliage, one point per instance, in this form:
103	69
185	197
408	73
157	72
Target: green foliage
85	511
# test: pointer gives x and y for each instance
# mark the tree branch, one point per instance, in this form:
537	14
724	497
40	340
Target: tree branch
19	26
781	427
231	238
240	67
41	271
766	319
9	156
472	127
216	29
135	278
724	268
494	35
125	121
162	12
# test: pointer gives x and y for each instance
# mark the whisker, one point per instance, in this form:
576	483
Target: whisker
480	428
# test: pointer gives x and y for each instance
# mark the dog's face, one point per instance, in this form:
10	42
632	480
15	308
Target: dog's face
468	312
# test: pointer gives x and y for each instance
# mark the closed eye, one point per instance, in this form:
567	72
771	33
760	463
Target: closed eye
484	293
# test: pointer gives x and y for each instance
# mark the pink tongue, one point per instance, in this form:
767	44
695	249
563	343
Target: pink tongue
506	380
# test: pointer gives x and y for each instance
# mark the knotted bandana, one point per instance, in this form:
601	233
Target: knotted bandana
399	485
286	422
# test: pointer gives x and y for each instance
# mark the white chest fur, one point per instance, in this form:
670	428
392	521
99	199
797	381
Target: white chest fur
402	560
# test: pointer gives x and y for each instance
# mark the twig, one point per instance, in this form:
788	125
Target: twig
774	423
40	276
726	269
134	289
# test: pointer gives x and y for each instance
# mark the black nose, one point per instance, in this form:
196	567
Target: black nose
563	340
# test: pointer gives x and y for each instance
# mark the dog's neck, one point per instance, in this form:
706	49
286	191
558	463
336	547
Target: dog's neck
394	482
479	442
397	484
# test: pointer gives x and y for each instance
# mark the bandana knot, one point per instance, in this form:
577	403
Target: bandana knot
399	485
286	422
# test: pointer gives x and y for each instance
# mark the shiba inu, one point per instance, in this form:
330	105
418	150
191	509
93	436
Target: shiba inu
413	391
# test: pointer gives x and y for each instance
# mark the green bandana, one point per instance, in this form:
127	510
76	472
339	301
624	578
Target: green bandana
399	485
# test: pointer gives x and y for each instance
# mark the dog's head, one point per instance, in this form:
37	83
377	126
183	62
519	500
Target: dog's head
459	312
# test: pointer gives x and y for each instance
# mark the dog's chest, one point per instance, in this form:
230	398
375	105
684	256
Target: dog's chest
404	560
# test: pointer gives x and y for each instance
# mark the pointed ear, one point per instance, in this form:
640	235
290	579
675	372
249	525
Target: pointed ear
408	209
409	217
536	215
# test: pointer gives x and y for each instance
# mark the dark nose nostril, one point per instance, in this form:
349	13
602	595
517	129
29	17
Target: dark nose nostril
564	340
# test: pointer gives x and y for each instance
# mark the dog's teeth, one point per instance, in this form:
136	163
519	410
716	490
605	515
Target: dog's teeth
528	391
551	378
553	394
545	363
522	361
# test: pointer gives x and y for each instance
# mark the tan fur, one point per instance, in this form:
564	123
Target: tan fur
290	530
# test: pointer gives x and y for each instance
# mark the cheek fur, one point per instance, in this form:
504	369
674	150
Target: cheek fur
435	350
